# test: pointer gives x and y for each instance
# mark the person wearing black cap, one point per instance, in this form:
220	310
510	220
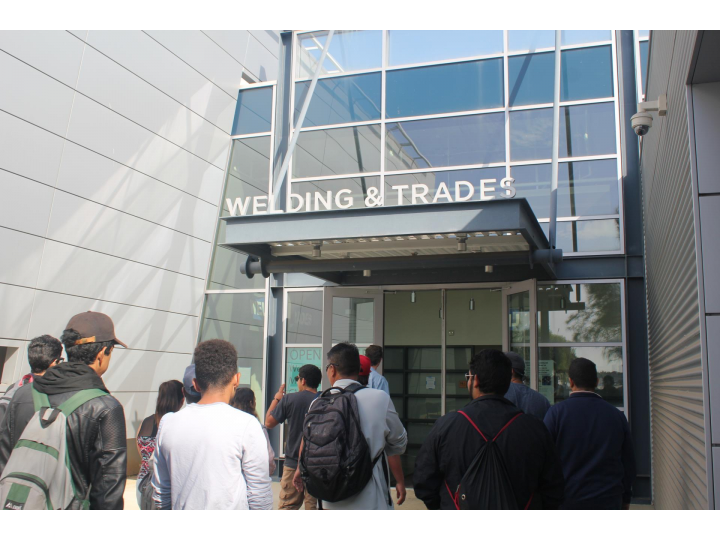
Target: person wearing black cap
96	429
191	395
522	396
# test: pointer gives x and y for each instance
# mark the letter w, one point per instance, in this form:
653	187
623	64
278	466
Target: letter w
240	204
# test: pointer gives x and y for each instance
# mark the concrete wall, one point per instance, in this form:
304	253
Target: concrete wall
113	147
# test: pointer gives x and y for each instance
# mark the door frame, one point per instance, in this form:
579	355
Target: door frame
529	286
374	293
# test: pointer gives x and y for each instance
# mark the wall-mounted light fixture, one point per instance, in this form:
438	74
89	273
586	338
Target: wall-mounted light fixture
472	304
367	273
489	268
462	242
316	250
413	298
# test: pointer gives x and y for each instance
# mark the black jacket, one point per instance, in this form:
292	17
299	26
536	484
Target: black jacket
529	453
95	432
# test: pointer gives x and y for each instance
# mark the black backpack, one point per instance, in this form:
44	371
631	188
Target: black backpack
486	484
335	462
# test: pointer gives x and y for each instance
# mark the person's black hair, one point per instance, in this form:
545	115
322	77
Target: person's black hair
583	372
311	374
493	370
346	358
170	399
85	352
43	351
375	354
244	400
215	363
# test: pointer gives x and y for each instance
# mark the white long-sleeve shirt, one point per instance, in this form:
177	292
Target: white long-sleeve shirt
211	457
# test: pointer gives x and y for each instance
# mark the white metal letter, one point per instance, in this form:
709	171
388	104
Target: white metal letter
348	200
442	193
485	190
418	192
400	190
258	206
471	191
294	197
240	204
506	184
326	202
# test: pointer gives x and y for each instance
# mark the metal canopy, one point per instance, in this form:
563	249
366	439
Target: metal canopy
397	244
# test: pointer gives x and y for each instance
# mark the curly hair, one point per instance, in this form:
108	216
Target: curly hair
85	352
215	363
43	351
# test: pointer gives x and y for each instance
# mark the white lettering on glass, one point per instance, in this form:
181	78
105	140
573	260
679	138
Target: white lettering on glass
484	190
348	199
418	192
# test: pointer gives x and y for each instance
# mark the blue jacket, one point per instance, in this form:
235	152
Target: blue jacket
593	442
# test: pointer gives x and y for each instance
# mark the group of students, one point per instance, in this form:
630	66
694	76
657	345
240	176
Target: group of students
506	449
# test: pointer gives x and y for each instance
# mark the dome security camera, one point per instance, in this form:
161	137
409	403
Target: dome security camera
642	120
641	123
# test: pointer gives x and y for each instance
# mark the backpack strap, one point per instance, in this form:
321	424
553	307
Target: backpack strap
474	425
79	398
498	433
506	425
40	400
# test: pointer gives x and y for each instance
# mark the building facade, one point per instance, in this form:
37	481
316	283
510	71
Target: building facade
287	191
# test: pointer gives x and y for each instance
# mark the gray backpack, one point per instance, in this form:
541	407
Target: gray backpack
37	476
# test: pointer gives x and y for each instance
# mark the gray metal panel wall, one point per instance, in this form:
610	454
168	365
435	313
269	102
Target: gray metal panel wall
678	432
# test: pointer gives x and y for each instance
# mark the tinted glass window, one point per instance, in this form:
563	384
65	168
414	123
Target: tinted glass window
329	194
530	40
351	50
447	88
578	37
433	181
585	188
586	74
531	78
416	46
643	33
247	176
643	63
531	134
442	142
253	112
337	151
304	316
355	98
587	236
587	130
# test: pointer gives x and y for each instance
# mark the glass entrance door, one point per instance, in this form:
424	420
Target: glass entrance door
520	326
351	315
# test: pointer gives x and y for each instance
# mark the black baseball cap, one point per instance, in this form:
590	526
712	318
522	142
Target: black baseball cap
518	364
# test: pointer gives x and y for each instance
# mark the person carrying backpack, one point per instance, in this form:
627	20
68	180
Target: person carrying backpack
489	455
348	433
62	442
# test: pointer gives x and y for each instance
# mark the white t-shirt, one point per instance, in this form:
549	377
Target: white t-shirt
211	457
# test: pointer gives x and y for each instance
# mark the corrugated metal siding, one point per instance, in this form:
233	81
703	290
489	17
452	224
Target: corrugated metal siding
678	434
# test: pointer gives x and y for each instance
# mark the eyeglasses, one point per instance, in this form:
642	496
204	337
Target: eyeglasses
297	378
328	366
468	376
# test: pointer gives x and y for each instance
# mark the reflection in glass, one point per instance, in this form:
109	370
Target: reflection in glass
643	33
350	50
304	317
531	78
434	181
424	408
587	130
585	188
579	313
531	134
586	74
352	320
530	40
424	358
644	45
441	142
239	319
329	194
578	37
587	236
417	46
339	100
519	320
466	86
554	363
253	113
337	151
248	175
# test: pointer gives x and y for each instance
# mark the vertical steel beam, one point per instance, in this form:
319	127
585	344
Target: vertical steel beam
280	178
555	144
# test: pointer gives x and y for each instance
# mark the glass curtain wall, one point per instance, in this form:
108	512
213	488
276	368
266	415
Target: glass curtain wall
581	320
642	46
398	117
235	306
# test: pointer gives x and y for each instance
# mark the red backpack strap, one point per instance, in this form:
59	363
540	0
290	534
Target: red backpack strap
477	428
505	426
453	497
